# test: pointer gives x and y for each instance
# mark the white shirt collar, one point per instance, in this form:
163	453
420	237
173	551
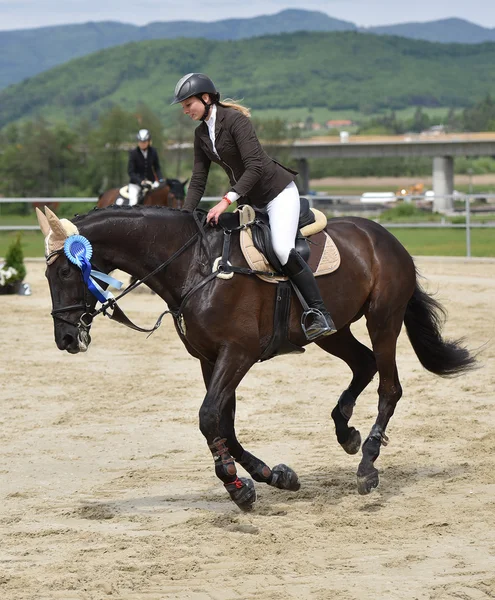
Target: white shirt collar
213	118
211	127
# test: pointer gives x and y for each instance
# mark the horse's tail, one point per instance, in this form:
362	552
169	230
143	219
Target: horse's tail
423	320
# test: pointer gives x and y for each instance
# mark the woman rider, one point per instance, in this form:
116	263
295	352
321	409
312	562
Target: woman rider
226	136
143	166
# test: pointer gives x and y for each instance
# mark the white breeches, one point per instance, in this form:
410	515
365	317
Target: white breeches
134	190
283	212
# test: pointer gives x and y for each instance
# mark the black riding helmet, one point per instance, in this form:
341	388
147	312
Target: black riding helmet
196	84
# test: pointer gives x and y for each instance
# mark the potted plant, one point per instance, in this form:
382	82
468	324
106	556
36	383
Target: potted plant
12	271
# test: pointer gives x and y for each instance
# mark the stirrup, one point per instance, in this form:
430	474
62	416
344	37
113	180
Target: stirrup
319	325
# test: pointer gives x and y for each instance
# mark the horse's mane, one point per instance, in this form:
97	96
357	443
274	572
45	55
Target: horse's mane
114	207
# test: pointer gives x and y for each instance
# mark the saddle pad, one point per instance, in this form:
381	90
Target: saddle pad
124	192
324	257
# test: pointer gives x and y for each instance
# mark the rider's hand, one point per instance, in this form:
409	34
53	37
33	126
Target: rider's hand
217	210
155	184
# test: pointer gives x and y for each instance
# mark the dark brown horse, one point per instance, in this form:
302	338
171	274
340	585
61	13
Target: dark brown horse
228	323
170	193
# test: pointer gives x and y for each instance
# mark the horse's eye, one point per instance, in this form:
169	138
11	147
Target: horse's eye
65	272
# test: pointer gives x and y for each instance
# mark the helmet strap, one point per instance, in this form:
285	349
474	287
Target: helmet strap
207	106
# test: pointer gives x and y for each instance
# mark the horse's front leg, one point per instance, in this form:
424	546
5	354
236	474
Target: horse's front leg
226	447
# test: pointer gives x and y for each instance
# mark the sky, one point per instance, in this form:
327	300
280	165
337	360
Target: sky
23	14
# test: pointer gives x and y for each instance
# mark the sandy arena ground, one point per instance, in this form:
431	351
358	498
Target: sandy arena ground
107	487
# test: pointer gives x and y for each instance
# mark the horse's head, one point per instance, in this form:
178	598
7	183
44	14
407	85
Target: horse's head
177	191
72	303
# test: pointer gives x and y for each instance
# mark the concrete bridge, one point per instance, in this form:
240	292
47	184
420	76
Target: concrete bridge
442	148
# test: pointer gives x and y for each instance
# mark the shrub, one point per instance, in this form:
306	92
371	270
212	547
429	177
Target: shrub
400	212
15	259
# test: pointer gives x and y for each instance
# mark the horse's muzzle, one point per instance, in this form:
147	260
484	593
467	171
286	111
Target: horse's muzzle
74	343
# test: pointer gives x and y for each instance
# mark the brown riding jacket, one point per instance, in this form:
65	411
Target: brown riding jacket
255	176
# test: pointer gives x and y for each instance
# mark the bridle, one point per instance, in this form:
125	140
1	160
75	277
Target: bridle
86	319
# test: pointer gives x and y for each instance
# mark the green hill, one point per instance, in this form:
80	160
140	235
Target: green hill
27	52
341	70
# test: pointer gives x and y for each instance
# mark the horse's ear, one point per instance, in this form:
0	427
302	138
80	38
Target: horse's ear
185	181
55	224
43	222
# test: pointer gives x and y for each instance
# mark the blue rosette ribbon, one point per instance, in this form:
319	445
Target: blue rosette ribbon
79	251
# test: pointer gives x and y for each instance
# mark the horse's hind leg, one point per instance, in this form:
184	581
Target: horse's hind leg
384	330
361	361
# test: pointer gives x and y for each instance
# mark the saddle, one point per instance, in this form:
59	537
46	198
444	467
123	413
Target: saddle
312	241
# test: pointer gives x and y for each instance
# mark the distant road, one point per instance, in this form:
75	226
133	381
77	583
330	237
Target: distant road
488	179
394	139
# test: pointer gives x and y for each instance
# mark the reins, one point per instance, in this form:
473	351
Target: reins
119	315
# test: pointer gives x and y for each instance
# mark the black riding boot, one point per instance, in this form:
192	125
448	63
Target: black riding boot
318	320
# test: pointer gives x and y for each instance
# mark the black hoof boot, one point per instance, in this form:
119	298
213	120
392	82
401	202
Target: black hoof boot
284	478
242	492
366	483
353	443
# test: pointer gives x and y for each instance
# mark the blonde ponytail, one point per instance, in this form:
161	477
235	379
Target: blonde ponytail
229	103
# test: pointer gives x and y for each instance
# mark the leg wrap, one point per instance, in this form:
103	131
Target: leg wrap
224	463
255	467
371	446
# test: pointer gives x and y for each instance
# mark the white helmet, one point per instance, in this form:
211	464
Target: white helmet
143	135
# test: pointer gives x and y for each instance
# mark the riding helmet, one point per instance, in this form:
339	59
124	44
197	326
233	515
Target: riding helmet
194	84
143	135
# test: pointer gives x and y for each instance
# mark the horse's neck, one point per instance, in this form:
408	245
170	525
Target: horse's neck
138	244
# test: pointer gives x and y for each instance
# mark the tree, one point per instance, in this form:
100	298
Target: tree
109	145
147	119
420	121
481	116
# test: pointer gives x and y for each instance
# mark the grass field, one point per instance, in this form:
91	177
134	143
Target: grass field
446	242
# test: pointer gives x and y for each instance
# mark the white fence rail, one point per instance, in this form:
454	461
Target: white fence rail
339	203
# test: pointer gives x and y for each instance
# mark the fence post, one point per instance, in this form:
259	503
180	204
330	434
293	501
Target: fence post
468	214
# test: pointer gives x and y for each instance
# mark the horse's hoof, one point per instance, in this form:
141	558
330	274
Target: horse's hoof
366	483
284	478
242	492
352	445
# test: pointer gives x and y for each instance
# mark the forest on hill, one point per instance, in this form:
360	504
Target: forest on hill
27	52
339	70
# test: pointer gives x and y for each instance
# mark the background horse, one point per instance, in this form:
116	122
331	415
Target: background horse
228	323
171	193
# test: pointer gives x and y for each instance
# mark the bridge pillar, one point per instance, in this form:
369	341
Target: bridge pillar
443	183
303	168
